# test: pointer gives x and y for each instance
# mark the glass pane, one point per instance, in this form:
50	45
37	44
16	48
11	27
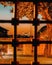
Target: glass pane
25	54
6	53
6	32
7	10
44	52
44	11
45	32
25	32
25	11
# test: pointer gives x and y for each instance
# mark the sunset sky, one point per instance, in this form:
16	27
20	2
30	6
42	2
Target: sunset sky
21	28
25	28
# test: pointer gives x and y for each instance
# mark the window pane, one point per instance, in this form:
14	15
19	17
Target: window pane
25	11
6	32
6	53
44	52
25	32
7	10
25	54
44	11
45	32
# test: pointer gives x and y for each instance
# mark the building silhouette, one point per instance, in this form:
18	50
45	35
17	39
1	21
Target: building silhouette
3	32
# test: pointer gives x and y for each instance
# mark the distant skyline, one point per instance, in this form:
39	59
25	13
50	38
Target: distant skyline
29	28
25	28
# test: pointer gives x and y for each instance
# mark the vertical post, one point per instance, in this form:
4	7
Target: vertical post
15	32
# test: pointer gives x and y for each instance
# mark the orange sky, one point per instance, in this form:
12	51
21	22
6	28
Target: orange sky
25	28
21	28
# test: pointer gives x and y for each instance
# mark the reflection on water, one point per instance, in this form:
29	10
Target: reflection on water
24	39
6	39
19	39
